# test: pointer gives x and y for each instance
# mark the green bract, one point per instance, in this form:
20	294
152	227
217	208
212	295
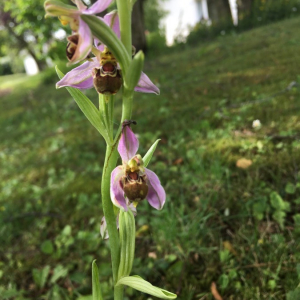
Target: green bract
144	286
58	8
134	71
106	35
127	242
149	154
97	295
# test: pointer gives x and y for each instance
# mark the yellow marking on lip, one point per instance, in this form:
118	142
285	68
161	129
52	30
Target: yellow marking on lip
64	23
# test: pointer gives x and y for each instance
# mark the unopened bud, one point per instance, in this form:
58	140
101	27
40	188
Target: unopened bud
72	46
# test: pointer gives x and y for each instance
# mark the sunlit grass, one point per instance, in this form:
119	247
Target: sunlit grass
19	80
219	223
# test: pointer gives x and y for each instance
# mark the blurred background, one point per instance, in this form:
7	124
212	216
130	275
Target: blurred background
228	119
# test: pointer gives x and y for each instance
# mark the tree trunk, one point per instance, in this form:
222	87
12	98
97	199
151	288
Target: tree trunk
219	10
138	26
244	6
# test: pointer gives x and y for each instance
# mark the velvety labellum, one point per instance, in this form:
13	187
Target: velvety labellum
135	186
107	79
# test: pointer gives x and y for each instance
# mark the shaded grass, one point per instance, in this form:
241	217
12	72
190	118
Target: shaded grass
219	223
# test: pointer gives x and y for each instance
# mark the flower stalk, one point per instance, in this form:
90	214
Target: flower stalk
110	70
124	9
109	164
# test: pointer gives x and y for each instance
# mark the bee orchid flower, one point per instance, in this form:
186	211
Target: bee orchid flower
81	41
85	76
131	181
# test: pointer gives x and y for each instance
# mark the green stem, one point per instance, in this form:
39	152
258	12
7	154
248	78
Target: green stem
127	107
118	292
108	209
102	110
126	114
107	116
111	114
124	10
111	157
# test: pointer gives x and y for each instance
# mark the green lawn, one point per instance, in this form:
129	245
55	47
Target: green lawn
239	228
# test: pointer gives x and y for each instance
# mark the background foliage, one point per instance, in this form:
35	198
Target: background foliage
261	12
225	221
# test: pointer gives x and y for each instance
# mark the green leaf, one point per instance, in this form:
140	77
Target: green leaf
279	216
296	218
67	230
298	270
224	255
149	154
287	206
290	188
293	295
10	293
58	272
87	107
259	208
272	284
97	295
47	247
144	286
44	275
278	203
106	35
89	297
56	292
127	242
134	71
40	276
224	281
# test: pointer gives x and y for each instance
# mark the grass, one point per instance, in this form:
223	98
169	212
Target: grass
236	227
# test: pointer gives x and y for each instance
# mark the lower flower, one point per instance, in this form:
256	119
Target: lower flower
132	181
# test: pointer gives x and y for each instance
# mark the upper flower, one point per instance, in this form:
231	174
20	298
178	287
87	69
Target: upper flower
93	73
80	43
132	181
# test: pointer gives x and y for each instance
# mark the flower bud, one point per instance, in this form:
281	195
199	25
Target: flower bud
72	46
135	186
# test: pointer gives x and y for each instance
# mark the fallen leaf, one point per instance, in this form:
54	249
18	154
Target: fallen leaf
243	133
227	245
215	292
243	163
152	255
5	92
178	161
142	230
196	199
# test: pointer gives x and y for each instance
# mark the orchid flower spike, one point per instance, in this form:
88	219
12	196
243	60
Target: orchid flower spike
103	74
131	181
81	41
